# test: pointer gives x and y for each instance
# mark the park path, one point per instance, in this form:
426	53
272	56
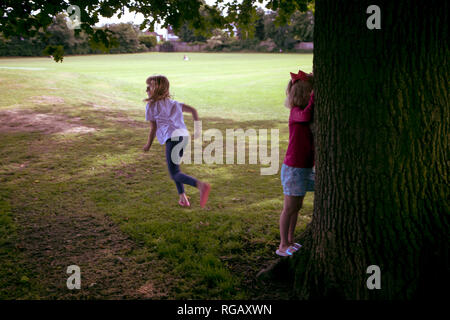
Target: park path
52	242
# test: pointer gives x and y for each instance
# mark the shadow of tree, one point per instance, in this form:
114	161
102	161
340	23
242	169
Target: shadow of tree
105	173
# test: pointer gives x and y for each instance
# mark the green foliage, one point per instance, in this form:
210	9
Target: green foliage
148	40
126	39
259	25
57	52
188	34
303	26
104	40
18	46
268	35
282	35
27	19
58	33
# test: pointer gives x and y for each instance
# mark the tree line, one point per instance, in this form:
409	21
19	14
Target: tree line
266	35
127	37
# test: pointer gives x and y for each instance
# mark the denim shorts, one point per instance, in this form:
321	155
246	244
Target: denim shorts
297	181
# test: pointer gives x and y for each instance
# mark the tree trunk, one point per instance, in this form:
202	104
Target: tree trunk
382	119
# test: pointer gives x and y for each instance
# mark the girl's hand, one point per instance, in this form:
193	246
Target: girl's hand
146	147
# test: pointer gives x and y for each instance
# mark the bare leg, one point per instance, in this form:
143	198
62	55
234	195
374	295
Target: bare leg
291	206
293	223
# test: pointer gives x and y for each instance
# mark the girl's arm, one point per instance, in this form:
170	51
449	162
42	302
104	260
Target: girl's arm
151	135
190	109
194	113
305	115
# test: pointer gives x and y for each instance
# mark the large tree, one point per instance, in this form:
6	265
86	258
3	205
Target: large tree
382	118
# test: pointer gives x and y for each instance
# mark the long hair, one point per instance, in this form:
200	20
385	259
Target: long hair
160	88
298	93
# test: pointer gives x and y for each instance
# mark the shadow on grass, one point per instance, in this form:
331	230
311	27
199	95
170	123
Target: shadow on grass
102	180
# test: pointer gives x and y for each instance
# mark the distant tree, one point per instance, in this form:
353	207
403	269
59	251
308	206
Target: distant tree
187	34
27	18
259	25
58	33
282	35
303	26
19	46
148	40
126	37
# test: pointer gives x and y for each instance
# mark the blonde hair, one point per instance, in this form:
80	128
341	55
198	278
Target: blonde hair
298	93
160	90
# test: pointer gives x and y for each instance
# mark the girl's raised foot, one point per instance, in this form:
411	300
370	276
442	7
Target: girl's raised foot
204	188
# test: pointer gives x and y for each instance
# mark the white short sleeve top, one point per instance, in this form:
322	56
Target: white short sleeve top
168	115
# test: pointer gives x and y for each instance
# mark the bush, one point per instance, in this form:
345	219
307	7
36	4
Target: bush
148	41
126	37
142	48
196	43
18	46
268	45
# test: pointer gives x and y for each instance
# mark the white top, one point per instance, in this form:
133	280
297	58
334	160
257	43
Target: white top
168	115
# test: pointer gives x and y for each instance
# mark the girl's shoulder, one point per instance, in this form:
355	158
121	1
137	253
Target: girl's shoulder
162	102
175	103
167	101
171	101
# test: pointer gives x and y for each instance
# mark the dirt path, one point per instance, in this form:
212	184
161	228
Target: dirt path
52	239
26	121
51	243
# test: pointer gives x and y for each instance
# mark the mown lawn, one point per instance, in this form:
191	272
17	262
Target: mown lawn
76	187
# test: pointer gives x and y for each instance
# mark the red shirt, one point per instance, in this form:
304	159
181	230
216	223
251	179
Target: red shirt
300	151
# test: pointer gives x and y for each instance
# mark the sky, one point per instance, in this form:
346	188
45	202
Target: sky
127	17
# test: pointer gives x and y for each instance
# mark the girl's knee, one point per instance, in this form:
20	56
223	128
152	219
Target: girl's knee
175	176
292	207
173	173
290	211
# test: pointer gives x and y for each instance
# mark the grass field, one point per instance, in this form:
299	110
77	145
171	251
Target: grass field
76	188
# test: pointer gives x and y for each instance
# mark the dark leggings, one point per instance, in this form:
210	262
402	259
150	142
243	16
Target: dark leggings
174	169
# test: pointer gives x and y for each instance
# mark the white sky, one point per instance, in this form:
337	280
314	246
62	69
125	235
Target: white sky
127	17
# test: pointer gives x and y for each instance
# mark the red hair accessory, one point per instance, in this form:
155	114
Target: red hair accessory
299	76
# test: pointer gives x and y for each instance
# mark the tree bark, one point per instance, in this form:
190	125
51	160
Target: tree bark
382	153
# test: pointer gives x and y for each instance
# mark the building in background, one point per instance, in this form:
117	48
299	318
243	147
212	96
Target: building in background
170	36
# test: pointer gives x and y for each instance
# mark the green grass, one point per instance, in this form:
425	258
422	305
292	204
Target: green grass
200	254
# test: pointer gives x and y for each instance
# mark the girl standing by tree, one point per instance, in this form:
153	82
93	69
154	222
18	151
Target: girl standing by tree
297	175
